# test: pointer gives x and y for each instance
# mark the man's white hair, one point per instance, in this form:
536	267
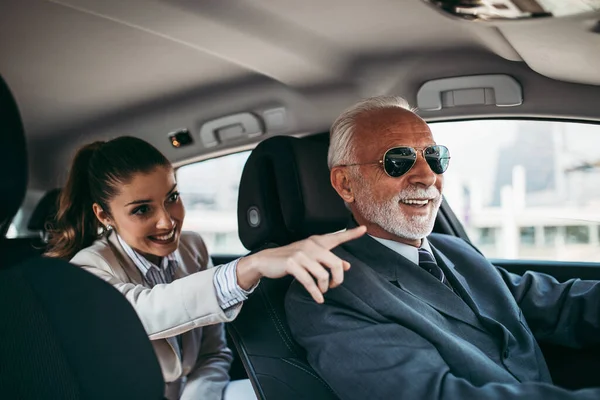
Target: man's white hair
342	130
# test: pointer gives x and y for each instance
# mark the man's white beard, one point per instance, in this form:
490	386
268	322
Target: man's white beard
390	216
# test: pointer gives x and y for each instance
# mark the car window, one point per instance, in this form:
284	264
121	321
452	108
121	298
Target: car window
18	227
525	189
209	190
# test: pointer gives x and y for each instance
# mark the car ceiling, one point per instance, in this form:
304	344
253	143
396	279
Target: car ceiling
93	69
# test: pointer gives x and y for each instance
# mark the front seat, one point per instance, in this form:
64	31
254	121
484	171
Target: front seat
284	196
65	334
14	174
44	214
23	248
14	151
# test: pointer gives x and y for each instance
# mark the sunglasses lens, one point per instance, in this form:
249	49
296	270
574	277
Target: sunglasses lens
438	158
399	160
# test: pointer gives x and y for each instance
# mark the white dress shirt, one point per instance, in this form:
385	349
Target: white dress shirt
405	250
229	293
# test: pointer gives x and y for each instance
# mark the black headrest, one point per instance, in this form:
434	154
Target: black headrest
286	195
60	344
45	211
13	157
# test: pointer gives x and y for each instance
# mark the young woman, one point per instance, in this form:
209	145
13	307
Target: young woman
120	217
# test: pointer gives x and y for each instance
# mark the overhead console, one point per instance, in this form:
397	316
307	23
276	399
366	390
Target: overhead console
232	128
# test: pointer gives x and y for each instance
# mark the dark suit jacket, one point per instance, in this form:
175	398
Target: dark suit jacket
391	330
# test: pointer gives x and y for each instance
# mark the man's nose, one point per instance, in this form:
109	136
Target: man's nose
421	174
165	221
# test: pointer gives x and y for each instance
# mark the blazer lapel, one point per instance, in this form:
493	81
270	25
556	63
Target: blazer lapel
413	279
135	276
133	273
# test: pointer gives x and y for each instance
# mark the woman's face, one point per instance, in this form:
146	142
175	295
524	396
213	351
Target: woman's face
147	213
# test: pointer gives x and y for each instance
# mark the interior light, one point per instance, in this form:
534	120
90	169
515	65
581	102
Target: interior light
180	138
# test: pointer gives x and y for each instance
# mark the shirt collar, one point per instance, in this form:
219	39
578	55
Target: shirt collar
405	250
142	263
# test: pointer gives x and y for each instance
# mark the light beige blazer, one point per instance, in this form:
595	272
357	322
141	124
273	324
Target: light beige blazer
186	306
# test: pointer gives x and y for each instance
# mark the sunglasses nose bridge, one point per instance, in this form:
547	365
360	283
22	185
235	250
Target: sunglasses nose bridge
431	164
420	160
420	152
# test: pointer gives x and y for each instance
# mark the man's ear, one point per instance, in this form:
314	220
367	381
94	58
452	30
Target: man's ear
101	215
340	180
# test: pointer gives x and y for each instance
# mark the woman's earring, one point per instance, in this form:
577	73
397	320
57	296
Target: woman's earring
109	227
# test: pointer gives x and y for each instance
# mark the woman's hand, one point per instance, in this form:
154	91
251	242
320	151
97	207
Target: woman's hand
308	261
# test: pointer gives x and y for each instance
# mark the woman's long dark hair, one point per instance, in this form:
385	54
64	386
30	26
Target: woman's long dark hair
97	171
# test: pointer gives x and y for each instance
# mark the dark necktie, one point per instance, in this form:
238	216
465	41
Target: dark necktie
427	262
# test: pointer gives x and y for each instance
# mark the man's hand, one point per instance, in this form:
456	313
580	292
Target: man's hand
308	261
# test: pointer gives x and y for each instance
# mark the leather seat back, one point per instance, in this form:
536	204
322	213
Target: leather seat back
13	163
68	335
13	158
24	248
284	196
44	213
65	334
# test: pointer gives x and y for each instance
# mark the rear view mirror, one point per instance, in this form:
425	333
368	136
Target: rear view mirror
499	10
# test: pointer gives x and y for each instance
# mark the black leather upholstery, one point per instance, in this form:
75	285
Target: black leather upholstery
286	180
69	335
64	333
18	250
286	183
13	158
13	164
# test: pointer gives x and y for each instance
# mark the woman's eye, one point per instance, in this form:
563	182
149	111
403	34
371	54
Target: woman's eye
141	210
173	197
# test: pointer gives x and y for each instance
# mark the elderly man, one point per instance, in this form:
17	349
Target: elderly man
423	316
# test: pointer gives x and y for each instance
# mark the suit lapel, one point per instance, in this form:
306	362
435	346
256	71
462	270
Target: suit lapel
414	280
489	322
457	281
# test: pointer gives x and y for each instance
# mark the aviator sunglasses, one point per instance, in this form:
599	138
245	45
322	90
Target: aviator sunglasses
397	161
